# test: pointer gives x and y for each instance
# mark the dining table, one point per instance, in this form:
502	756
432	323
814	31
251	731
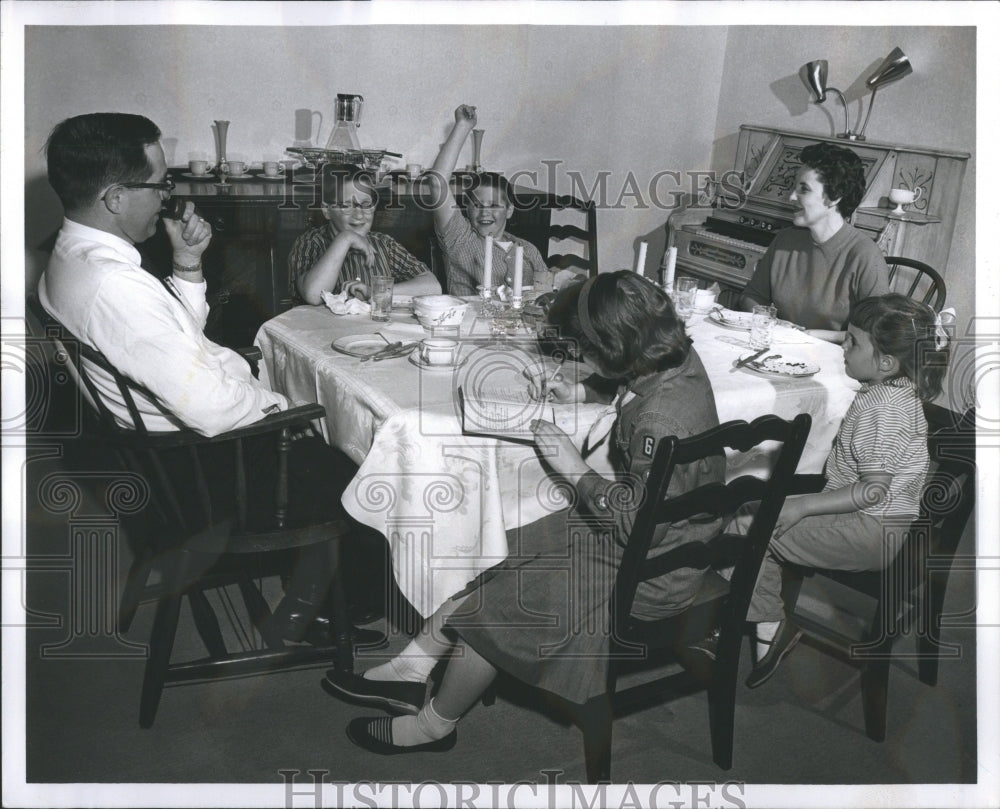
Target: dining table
447	464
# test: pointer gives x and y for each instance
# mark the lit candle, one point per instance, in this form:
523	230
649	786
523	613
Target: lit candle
668	273
640	264
518	271
488	264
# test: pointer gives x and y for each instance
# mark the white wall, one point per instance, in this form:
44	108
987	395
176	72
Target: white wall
934	106
598	99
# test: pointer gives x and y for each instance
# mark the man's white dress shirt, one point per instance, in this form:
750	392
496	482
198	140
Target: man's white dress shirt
95	286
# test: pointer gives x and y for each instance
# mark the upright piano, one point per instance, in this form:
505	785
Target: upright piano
721	234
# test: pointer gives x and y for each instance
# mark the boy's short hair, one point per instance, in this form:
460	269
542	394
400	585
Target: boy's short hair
88	153
492	179
334	176
632	328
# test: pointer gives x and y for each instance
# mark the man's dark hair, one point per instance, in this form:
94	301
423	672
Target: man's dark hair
90	152
841	172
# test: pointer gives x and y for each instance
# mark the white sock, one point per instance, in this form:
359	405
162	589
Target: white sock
412	665
766	630
426	726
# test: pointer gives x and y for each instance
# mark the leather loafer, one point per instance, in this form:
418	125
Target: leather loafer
375	736
784	639
298	623
393	696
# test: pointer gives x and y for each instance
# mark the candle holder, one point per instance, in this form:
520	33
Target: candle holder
489	306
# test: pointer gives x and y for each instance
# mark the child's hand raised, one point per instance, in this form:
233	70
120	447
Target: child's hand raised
466	112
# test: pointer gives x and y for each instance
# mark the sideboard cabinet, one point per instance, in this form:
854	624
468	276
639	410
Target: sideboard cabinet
255	223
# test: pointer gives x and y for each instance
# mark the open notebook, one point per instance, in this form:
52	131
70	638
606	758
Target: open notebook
502	413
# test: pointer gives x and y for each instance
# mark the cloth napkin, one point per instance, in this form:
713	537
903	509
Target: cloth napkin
340	304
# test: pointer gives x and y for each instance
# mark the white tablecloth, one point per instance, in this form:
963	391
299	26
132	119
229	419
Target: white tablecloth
445	501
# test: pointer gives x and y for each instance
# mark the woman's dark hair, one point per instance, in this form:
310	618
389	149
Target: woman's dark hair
907	330
88	153
335	176
841	172
624	321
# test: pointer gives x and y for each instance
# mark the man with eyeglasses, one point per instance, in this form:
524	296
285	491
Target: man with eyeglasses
110	174
342	254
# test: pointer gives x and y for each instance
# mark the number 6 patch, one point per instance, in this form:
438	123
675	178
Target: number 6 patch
648	445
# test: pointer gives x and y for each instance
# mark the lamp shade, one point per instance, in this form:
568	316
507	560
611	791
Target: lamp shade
816	78
893	67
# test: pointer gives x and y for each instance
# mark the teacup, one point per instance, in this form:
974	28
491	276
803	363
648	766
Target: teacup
414	170
904	196
437	351
237	167
198	166
271	168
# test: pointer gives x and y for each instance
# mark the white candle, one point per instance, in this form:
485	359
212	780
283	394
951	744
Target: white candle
518	270
488	264
640	264
668	273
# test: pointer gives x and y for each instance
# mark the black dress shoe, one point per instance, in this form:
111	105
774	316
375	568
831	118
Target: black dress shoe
375	736
393	696
298	622
784	639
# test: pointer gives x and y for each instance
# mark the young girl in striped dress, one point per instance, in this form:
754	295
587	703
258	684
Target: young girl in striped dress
898	349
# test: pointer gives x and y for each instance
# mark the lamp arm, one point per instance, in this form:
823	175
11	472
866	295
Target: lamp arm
871	103
847	119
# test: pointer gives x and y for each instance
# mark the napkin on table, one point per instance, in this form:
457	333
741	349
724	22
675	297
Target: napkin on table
340	304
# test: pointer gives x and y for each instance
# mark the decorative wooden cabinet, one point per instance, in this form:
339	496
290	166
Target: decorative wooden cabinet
721	237
255	223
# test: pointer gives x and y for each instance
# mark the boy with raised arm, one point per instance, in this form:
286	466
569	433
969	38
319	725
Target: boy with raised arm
488	206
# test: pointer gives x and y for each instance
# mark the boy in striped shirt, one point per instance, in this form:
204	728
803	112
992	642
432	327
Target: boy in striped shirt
342	255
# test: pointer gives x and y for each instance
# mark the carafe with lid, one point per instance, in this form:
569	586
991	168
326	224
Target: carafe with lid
344	137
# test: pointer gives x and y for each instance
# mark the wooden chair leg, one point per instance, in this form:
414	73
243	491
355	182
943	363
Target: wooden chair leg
596	719
207	623
260	613
343	660
161	638
874	696
161	644
135	585
722	699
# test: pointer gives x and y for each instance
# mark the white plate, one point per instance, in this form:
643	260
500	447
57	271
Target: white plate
207	176
415	359
779	365
278	178
359	345
245	176
729	319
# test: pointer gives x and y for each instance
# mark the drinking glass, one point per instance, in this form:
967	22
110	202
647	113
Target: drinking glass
762	326
381	297
685	290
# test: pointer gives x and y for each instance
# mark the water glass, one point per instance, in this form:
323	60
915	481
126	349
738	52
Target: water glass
685	290
382	297
762	326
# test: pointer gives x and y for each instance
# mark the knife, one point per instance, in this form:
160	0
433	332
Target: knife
383	351
393	351
751	358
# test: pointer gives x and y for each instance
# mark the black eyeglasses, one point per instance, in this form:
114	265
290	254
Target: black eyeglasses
166	185
367	205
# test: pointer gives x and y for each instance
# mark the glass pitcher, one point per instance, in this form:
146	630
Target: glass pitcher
344	137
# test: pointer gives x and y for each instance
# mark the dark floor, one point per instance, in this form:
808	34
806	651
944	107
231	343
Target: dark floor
803	727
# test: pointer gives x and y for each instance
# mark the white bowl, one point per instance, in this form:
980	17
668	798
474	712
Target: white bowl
435	303
450	316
